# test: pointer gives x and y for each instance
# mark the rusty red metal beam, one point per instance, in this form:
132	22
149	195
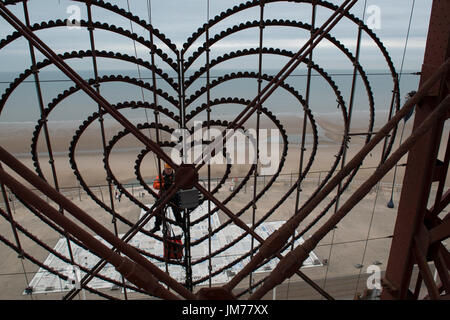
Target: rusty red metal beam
421	160
421	260
131	270
440	175
252	232
275	242
90	222
440	232
91	92
294	62
258	100
128	236
44	49
294	259
298	58
437	209
442	271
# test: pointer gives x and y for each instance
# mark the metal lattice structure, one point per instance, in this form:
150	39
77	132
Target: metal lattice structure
141	275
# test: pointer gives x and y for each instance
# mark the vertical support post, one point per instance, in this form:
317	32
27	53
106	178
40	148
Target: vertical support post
12	221
182	99
155	96
208	119
258	119
187	258
304	124
102	128
40	98
421	160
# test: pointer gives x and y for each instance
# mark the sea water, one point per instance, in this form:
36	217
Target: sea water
22	108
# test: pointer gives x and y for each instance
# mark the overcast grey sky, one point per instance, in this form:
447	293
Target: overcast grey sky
178	19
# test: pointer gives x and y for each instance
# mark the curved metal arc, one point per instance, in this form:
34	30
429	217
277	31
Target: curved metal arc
79	177
104	26
277	239
49	269
361	25
135	19
38	44
299	255
80	54
323	182
42	244
325	4
256	24
109	149
129	267
66	94
286	70
83	217
307	1
272	180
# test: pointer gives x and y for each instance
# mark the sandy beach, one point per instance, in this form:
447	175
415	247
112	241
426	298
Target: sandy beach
339	251
16	138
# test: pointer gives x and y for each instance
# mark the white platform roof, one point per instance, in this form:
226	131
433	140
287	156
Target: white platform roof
46	282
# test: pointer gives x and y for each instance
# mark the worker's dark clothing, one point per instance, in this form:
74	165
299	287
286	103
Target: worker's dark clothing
168	180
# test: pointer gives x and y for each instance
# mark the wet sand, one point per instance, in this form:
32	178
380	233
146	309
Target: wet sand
342	249
16	138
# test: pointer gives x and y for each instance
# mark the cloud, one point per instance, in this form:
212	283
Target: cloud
178	19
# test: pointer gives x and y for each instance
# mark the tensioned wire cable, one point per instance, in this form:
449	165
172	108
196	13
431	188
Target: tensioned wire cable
416	73
208	98
21	256
367	239
139	72
399	80
46	134
232	255
155	98
258	117
352	93
395	170
304	124
102	130
14	231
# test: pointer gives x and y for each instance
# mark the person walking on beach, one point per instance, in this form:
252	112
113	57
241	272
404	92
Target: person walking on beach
168	177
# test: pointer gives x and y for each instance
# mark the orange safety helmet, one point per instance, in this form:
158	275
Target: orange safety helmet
167	166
